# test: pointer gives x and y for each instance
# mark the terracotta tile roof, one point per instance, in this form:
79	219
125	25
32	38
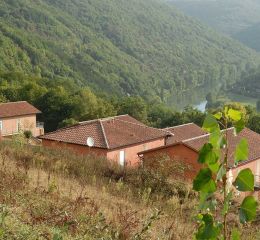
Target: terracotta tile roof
183	132
253	139
197	143
13	109
109	133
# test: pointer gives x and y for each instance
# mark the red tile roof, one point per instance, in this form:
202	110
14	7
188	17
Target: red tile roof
253	140
109	133
183	132
197	143
13	109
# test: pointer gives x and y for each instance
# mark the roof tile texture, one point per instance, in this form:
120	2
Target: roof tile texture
13	109
110	133
252	138
184	132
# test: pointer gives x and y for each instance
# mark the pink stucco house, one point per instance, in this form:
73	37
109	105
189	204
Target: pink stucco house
118	138
187	151
16	117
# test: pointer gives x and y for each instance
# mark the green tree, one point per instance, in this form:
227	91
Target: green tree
213	178
134	106
258	105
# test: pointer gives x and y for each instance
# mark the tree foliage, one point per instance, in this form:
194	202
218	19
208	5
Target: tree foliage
213	178
145	48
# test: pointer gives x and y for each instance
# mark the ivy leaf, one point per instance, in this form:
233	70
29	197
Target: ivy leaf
207	229
245	181
234	115
204	182
247	210
241	153
210	124
239	125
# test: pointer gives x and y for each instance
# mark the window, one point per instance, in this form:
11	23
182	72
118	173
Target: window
122	158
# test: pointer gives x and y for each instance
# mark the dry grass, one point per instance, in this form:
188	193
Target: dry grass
48	194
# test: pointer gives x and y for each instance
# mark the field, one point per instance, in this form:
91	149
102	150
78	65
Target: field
52	194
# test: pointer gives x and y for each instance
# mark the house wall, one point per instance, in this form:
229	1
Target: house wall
27	122
79	149
178	153
255	168
131	152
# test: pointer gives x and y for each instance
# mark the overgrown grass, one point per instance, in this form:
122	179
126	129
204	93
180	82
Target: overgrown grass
54	194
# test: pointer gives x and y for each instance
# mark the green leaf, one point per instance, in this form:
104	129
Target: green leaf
248	209
208	230
235	235
245	181
239	125
234	115
215	138
204	182
226	203
241	153
218	115
207	154
210	124
221	172
207	202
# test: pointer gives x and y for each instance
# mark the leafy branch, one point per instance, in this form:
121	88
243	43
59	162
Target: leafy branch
214	177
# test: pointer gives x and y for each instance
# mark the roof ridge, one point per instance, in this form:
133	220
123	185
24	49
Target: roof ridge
102	119
181	125
104	134
205	135
194	138
143	125
14	102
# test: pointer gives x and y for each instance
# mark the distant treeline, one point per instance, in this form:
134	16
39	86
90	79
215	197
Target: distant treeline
63	103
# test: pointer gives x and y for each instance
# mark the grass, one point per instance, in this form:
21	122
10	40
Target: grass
52	194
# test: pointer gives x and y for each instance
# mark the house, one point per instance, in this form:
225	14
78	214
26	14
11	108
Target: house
182	132
118	138
187	151
19	116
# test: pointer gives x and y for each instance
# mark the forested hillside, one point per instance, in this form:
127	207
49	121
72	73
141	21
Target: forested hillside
122	47
250	36
237	18
250	85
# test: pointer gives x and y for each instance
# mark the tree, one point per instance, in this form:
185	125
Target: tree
134	106
56	105
258	105
213	178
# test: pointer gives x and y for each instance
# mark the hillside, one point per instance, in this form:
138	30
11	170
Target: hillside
144	48
250	36
237	18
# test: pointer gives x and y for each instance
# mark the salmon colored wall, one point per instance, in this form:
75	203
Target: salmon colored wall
27	122
255	168
74	147
178	153
131	156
